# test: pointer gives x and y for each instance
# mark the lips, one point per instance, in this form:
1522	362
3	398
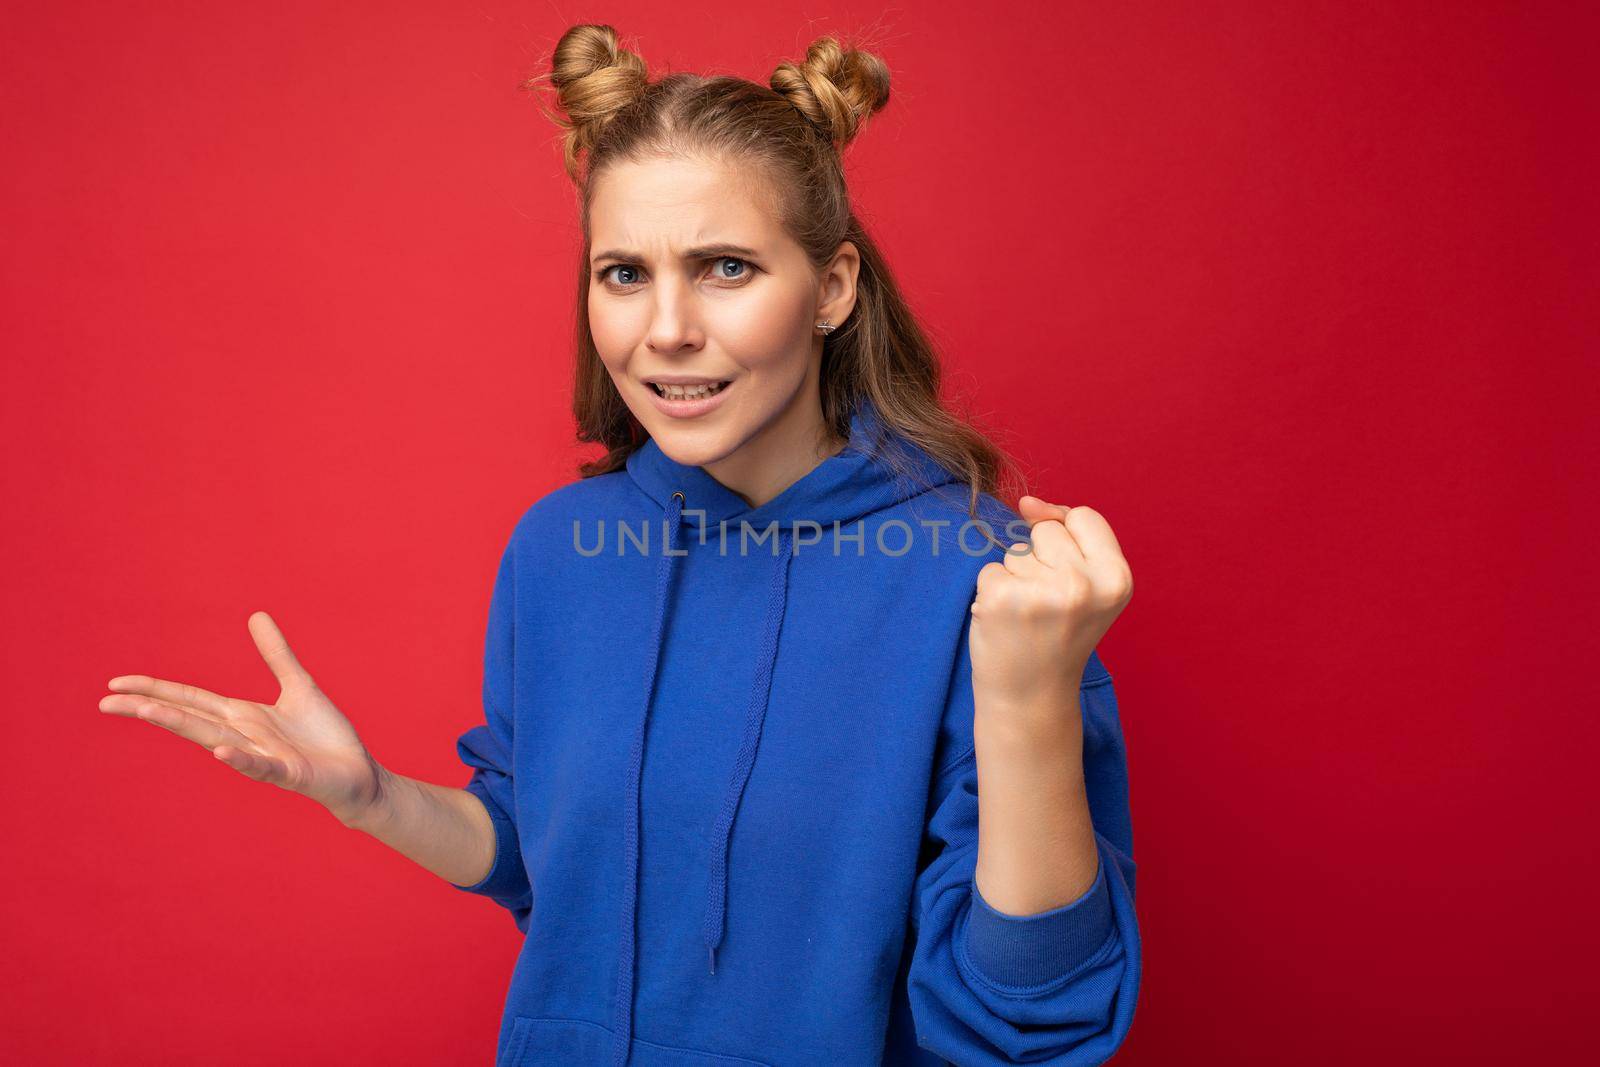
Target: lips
688	407
688	392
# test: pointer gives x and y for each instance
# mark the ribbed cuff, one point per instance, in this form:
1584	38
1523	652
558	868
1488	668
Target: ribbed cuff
1033	950
506	876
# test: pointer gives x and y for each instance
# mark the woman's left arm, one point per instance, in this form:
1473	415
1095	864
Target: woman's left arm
1027	945
1036	618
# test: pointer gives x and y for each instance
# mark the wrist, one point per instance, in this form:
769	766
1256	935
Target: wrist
379	808
1040	726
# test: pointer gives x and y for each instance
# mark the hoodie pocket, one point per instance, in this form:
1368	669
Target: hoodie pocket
573	1042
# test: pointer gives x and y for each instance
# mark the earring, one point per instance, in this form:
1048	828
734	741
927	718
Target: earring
826	327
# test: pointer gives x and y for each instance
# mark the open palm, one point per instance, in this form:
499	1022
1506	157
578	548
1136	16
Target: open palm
301	743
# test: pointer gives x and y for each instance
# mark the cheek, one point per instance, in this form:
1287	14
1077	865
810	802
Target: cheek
613	332
767	332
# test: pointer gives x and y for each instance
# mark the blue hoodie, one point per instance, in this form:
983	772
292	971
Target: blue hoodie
728	756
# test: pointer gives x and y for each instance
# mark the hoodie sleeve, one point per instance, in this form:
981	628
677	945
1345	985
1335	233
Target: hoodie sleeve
1055	987
486	748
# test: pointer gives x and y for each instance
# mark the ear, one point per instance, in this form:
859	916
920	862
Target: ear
836	292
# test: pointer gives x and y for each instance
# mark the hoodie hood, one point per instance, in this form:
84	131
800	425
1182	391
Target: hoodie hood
859	479
855	481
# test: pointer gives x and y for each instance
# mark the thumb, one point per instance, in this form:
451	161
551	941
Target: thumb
274	648
1032	509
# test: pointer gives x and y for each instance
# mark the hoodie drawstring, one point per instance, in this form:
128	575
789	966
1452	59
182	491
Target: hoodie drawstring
717	890
717	887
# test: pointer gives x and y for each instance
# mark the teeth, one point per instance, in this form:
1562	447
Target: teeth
688	392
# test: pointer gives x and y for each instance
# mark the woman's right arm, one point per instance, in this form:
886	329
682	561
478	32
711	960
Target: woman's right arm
303	743
446	830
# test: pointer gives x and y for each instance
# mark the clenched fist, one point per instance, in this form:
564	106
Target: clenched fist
1039	614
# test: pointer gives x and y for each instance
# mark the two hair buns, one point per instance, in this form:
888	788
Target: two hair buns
594	77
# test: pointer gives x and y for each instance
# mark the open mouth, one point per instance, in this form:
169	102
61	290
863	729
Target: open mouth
688	392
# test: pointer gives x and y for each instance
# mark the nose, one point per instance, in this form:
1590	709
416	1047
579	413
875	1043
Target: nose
674	321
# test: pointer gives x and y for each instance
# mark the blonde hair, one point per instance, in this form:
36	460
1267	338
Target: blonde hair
792	132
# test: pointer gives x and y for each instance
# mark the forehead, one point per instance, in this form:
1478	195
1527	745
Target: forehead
680	202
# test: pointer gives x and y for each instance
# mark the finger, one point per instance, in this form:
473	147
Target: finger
252	765
1054	545
1093	533
127	704
1033	509
274	648
1022	559
989	575
179	694
187	725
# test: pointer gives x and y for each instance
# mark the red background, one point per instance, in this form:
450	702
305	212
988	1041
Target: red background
1301	296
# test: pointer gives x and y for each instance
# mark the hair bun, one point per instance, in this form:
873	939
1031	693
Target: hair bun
594	77
837	88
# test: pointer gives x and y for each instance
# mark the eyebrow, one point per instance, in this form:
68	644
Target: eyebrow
698	252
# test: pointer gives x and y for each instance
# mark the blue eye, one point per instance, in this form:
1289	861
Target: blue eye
744	273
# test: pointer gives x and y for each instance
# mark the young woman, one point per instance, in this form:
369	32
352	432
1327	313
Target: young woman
744	678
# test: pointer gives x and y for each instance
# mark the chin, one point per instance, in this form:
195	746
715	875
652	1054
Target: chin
693	447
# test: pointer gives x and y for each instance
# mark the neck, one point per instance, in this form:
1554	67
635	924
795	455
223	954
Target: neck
780	453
